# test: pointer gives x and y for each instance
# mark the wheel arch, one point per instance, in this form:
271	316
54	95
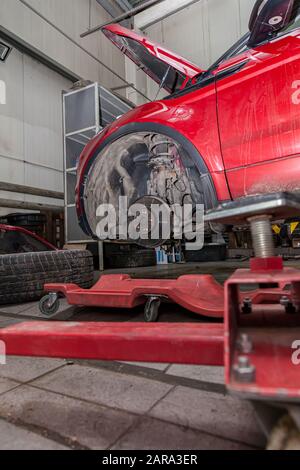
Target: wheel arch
209	190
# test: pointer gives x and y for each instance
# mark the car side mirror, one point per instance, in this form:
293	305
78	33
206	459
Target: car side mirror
267	18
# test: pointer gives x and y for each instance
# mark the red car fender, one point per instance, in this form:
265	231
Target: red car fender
191	117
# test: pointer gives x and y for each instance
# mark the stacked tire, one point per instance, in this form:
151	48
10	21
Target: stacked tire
33	222
23	276
118	256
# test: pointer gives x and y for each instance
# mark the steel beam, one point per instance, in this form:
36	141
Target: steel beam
124	4
182	343
110	7
124	16
17	188
31	206
165	10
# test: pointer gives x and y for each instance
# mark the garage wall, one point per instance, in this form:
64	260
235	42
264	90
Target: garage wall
53	27
31	150
201	32
31	144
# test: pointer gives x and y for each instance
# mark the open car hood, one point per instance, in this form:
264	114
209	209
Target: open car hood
156	61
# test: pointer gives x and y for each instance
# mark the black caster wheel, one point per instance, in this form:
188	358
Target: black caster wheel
49	305
151	313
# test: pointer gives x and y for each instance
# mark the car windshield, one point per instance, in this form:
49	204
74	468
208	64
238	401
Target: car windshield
205	77
236	49
242	44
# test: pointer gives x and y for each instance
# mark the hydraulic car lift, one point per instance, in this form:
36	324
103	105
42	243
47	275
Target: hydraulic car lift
261	309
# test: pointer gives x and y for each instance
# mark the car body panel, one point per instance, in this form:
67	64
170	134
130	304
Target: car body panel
263	125
151	57
187	117
29	235
242	117
267	177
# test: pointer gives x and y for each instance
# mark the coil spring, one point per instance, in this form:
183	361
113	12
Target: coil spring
156	153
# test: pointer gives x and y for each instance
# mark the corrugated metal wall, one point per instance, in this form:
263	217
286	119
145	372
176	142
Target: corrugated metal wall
201	32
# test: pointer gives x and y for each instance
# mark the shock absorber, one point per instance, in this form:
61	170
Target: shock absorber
160	149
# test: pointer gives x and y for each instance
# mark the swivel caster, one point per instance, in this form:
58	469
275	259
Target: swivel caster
151	312
49	304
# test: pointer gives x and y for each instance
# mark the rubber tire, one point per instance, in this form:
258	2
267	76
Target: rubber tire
26	219
23	276
209	253
46	311
133	258
151	313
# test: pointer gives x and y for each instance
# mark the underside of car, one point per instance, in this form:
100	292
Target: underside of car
147	168
140	165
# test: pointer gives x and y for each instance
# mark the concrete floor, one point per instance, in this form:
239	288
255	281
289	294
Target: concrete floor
58	404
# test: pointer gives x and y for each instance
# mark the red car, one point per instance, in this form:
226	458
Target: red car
219	135
20	240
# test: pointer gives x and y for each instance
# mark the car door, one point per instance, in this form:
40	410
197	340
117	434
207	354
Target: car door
258	100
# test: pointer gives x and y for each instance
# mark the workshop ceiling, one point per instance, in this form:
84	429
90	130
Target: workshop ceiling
135	3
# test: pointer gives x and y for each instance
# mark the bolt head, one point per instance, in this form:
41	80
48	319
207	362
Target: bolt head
284	301
245	344
244	371
247	306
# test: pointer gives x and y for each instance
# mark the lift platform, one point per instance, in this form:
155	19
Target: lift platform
261	308
165	343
